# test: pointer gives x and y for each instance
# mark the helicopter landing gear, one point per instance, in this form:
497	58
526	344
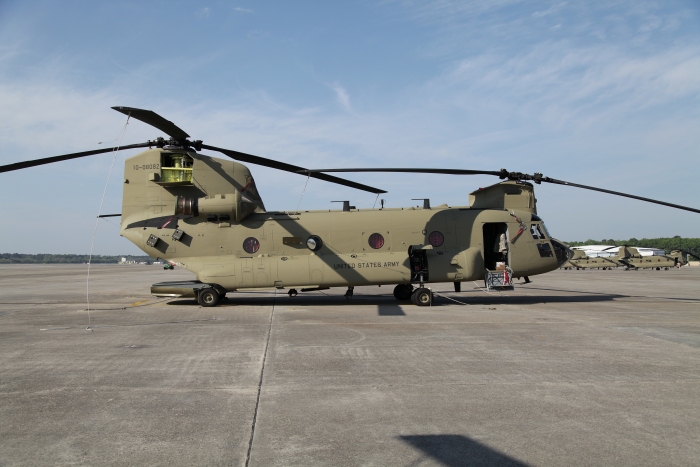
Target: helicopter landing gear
293	292
348	294
208	297
422	297
402	292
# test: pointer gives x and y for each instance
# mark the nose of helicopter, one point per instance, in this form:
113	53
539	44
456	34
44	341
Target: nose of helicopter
562	252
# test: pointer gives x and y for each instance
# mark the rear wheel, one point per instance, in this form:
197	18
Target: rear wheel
403	292
208	297
422	297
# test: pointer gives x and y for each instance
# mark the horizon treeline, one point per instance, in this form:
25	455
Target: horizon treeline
47	258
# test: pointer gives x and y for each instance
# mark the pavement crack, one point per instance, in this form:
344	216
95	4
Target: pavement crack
260	383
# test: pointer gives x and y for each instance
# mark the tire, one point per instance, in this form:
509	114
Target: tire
403	292
422	297
208	297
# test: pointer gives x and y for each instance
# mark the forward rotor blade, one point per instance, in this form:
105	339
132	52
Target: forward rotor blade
65	157
243	157
155	120
617	193
504	174
691	254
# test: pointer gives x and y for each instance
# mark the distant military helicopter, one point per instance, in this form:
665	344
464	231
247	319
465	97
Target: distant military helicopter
580	260
206	215
632	259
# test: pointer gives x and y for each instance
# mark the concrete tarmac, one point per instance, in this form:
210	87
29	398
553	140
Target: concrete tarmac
591	368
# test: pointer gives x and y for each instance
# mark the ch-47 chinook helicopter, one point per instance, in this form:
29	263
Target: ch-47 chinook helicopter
206	215
580	260
631	258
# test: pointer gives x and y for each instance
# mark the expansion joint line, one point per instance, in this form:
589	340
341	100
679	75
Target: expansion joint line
260	382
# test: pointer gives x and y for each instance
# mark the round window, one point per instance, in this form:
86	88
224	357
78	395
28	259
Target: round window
436	238
251	245
376	241
314	243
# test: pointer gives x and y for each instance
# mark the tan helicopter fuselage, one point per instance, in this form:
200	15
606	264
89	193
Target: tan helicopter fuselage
580	260
205	214
630	257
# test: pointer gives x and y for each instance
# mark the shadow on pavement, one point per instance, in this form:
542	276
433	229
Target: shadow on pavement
458	450
390	310
388	306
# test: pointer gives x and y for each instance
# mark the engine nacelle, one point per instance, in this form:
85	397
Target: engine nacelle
236	205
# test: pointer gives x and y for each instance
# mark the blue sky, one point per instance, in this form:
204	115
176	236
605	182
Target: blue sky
599	93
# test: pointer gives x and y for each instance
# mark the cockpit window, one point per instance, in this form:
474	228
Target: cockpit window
533	231
547	231
539	229
536	232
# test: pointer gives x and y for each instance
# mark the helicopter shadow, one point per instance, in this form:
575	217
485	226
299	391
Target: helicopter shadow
458	451
387	304
499	298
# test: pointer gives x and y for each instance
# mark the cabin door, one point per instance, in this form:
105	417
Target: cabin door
496	251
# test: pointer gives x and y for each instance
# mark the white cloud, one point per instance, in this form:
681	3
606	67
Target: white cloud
204	12
549	11
341	94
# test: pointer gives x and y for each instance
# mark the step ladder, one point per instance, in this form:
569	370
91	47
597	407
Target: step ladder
499	280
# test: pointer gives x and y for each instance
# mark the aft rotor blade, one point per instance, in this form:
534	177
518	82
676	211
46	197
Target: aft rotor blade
243	157
410	170
617	193
65	157
155	120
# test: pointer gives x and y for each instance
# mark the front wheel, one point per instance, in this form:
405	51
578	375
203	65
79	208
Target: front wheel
208	297
422	297
402	292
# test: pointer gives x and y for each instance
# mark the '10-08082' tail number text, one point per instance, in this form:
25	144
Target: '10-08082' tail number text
147	166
